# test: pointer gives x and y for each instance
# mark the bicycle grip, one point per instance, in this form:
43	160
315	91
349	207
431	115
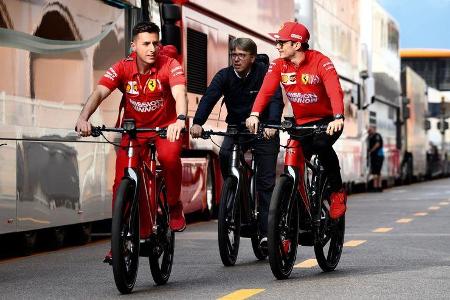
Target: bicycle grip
95	131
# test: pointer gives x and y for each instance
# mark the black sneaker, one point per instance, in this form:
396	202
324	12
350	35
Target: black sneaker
263	243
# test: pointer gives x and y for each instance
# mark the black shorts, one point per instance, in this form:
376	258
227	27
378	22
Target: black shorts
376	162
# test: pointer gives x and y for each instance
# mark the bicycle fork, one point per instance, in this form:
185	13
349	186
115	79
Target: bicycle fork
310	194
315	197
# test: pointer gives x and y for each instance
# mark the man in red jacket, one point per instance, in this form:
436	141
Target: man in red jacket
313	89
154	89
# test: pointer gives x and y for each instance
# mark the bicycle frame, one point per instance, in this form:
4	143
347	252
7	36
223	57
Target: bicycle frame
243	173
296	166
144	176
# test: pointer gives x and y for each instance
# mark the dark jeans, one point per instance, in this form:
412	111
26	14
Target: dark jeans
266	153
322	145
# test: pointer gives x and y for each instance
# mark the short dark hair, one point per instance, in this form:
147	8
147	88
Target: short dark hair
149	27
245	44
305	46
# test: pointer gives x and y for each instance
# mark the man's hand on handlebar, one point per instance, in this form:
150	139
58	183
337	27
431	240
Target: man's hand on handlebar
269	133
335	126
196	131
174	130
83	127
252	123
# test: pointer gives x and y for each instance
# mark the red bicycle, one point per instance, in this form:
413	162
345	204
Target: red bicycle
141	192
299	209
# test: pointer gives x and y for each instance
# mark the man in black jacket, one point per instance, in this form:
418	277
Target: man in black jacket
239	84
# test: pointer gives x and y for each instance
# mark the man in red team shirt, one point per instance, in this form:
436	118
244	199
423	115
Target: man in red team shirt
154	96
313	89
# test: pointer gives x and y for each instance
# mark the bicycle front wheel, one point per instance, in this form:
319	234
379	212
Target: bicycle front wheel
328	245
161	258
125	238
282	234
229	222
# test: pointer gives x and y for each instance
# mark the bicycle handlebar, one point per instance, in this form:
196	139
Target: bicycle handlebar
206	134
289	126
96	130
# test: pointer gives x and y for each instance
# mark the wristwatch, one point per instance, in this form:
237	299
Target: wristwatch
339	117
181	117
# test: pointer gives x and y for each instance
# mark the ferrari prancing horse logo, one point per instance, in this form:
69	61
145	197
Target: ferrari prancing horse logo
151	84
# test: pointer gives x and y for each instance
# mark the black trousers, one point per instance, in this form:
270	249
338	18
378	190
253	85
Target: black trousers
322	145
266	153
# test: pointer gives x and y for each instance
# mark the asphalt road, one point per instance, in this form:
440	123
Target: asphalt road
397	246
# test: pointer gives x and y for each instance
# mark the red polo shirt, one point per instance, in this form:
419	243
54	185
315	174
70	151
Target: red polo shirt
148	97
313	87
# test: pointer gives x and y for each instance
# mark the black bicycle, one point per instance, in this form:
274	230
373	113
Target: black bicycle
299	209
238	210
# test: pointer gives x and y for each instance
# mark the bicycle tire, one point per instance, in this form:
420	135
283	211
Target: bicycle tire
125	238
161	258
283	229
331	233
229	207
261	254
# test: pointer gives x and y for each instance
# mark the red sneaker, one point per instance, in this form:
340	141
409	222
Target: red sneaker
108	258
177	221
338	201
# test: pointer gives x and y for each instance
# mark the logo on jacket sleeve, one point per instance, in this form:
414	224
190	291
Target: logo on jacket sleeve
132	88
111	74
289	78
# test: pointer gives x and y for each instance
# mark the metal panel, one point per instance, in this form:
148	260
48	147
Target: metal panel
7	186
61	183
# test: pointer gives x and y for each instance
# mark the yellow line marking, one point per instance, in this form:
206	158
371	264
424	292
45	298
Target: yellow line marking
443	203
406	220
383	229
421	214
433	207
354	243
309	263
241	294
33	220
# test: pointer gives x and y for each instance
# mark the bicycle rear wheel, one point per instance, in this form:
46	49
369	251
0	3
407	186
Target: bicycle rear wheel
283	229
161	258
229	222
328	246
125	238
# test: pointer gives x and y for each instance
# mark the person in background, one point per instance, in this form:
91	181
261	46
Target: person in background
376	156
239	84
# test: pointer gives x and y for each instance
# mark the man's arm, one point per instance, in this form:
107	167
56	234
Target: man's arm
375	147
210	98
83	127
333	88
275	107
269	87
181	104
377	144
207	103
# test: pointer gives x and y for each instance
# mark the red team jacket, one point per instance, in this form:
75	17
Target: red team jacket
313	87
148	97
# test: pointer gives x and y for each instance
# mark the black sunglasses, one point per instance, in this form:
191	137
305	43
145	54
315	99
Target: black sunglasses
281	43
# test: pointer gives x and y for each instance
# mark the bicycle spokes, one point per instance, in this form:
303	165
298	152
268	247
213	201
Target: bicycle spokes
330	236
